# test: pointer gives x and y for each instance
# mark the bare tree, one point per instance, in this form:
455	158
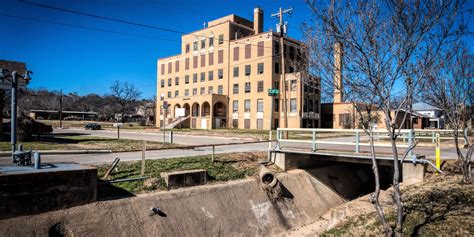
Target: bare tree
389	46
451	87
126	96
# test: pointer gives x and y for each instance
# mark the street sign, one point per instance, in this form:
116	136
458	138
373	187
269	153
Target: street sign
179	112
273	92
118	125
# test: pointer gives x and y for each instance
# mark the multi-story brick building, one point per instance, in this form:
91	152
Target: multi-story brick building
222	75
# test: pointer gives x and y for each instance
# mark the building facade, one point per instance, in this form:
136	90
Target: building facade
222	75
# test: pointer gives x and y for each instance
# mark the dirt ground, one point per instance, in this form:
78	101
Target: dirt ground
441	206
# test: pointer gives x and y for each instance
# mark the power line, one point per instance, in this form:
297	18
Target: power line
85	27
121	21
100	17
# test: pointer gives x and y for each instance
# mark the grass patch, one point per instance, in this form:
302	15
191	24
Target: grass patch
226	167
80	142
442	206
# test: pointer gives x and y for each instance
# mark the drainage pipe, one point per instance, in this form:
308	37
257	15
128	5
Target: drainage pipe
267	177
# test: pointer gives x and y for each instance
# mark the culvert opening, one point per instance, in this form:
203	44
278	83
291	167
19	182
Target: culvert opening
58	230
351	180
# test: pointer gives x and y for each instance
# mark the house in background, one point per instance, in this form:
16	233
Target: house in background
432	116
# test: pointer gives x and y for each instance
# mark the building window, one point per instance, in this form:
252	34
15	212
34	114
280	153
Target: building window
247	105
291	69
236	89
176	81
236	71
260	47
292	105
236	53
162	69
220	74
187	48
203	43
169	94
345	120
260	68
276	85
259	105
186	64
162	83
248	51
186	79
309	106
247	70
247	87
211	41
276	47
203	76
186	92
260	86
221	39
211	75
203	90
176	66
235	106
246	123
294	85
176	93
316	106
277	68
210	90
170	67
211	59
195	45
195	62
292	53
220	90
220	56
203	60
195	77
276	105
169	81
195	91
235	123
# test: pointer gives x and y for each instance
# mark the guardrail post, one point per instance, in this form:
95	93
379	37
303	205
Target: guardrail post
170	138
278	137
357	139
432	137
313	149
269	145
410	141
465	136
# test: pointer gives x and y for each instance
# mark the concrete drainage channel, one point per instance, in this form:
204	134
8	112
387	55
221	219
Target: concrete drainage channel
269	205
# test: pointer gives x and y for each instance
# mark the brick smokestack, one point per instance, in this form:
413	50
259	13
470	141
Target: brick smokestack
258	20
338	54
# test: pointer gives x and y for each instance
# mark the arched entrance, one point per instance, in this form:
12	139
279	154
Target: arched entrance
219	116
176	106
195	109
187	110
205	115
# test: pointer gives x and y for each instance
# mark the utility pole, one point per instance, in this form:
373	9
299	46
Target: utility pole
282	56
13	113
61	109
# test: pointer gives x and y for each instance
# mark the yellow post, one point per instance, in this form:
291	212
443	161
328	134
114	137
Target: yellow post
438	152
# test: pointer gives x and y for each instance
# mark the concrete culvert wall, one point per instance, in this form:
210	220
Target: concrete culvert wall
236	208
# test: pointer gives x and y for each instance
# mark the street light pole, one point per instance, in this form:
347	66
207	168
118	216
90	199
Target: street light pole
13	113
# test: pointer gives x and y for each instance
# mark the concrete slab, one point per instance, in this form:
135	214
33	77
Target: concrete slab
27	191
185	178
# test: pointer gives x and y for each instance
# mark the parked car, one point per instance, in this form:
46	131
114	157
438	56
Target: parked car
92	126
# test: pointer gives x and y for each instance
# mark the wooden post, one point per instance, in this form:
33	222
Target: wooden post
116	161
213	150
143	158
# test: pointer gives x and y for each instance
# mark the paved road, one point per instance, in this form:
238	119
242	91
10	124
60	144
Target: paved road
152	136
429	152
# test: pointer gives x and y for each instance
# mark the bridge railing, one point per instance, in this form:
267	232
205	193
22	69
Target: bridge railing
353	137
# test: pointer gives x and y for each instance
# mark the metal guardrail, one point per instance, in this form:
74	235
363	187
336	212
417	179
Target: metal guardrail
406	135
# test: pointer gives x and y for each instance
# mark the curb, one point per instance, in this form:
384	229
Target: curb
61	152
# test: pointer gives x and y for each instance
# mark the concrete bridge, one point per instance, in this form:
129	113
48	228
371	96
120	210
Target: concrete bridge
311	148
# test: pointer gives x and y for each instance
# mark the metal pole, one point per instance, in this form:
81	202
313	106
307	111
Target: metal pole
269	144
410	141
13	113
164	124
118	132
213	150
357	142
61	109
314	141
143	158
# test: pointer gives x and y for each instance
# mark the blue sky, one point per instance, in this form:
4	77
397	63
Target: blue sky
85	61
